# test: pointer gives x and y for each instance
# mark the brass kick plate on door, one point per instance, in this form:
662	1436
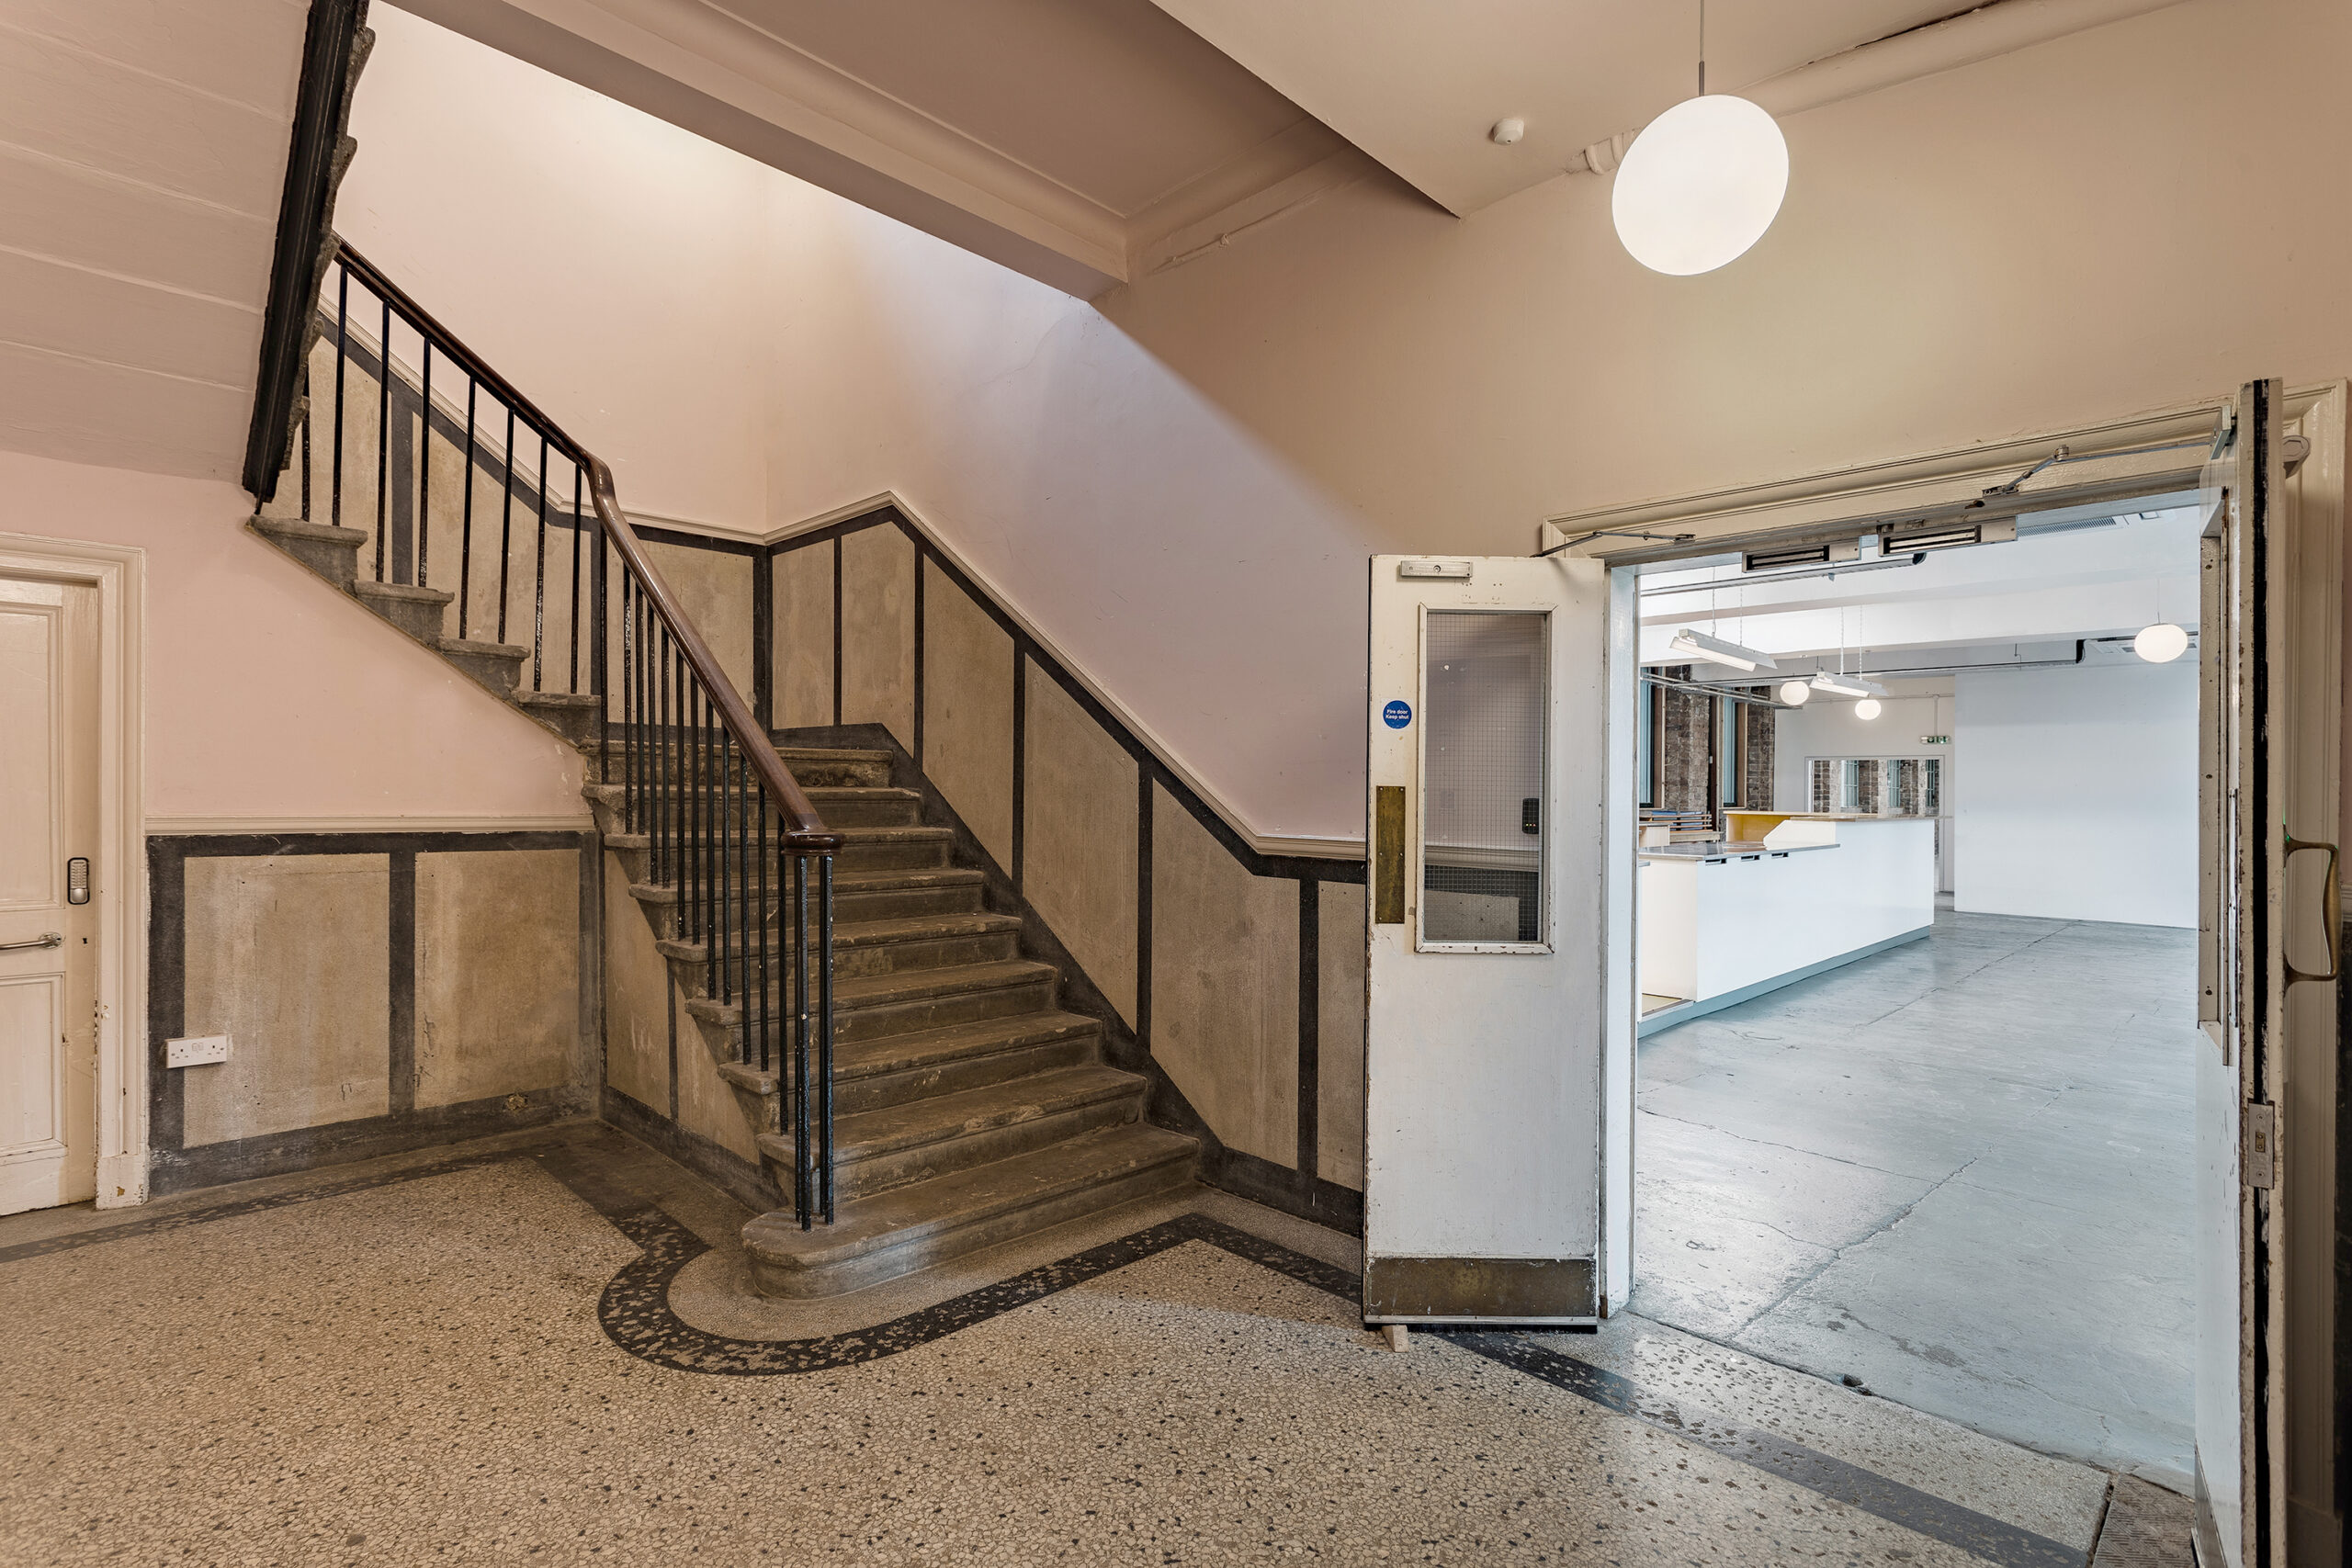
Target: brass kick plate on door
1388	855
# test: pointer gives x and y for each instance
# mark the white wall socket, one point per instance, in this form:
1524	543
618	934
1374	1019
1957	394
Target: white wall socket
196	1051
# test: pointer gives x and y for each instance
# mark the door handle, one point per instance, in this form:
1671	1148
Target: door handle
2332	907
47	939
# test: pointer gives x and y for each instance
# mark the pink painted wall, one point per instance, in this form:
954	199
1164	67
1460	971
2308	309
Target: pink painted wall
268	694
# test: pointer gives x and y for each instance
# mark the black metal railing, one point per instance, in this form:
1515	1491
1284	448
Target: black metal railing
411	438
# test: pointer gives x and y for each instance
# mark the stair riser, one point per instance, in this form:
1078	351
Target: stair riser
857	1179
904	1017
811	774
576	727
339	564
884	1089
495	673
882	958
418	619
906	903
923	854
771	1276
836	813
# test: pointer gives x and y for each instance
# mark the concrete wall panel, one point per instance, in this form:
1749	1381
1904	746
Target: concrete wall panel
879	631
497	972
1079	847
716	588
1339	1001
707	1107
637	1008
803	637
968	712
1225	986
286	956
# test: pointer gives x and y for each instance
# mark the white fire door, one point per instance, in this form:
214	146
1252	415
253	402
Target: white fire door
1487	820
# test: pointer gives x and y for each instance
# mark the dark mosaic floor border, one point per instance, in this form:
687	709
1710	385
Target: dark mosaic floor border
634	1312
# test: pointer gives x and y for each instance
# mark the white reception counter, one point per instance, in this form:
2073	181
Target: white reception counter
1724	922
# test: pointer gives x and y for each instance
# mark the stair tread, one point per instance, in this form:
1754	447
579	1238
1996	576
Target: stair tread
864	1134
918	1209
909	928
667	893
558	699
495	650
295	528
367	589
909	984
929	1047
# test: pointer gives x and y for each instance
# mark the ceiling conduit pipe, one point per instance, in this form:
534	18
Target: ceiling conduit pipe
1964	39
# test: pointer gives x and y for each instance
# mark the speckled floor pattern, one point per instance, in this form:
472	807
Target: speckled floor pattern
415	1370
1959	1171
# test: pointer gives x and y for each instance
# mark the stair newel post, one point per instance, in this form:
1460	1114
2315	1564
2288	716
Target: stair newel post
466	528
803	1195
825	1029
383	425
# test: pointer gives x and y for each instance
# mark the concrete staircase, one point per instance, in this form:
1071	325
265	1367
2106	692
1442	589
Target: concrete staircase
970	1109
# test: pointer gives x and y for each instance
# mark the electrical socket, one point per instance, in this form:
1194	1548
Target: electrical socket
196	1051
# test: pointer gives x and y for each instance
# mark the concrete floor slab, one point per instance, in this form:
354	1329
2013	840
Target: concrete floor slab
2013	1100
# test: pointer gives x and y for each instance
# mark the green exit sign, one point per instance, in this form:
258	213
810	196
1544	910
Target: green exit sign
1935	740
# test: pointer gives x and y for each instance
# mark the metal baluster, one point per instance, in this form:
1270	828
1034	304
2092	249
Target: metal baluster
629	708
539	570
579	526
466	535
506	525
424	473
726	920
599	654
825	1026
803	1196
310	412
383	428
691	775
342	356
661	769
760	860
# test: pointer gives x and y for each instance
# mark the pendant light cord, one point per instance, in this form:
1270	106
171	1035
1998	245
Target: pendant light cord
1703	48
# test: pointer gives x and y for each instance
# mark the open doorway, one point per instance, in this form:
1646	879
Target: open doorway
1917	926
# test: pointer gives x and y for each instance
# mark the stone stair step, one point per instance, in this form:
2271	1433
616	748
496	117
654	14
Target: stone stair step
875	1005
923	1140
894	1232
496	665
331	552
575	715
877	947
416	611
869	1074
814	767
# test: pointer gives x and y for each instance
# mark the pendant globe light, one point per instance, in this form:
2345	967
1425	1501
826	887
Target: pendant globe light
1703	181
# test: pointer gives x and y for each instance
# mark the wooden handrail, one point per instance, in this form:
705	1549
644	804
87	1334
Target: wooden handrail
804	832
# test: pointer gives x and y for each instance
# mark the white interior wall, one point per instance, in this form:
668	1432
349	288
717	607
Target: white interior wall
2080	801
1180	488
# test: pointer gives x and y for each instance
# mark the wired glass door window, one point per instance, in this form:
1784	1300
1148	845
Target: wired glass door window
1485	690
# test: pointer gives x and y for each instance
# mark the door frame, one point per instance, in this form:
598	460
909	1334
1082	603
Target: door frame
2109	460
119	572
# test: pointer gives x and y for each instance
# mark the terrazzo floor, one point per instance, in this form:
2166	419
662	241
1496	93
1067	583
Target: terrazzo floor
1961	1170
441	1359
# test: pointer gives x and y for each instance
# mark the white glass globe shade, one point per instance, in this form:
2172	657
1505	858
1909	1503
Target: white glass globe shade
1794	692
1866	708
2161	643
1700	185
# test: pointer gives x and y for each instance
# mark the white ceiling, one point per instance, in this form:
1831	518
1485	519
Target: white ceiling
1418	86
142	152
1081	141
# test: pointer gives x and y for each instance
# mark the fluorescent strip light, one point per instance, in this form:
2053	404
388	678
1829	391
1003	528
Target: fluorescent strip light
1715	650
1847	685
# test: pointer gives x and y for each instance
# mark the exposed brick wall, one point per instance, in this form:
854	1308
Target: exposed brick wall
1682	721
1756	783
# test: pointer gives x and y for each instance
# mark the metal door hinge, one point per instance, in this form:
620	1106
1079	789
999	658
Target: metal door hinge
2258	1145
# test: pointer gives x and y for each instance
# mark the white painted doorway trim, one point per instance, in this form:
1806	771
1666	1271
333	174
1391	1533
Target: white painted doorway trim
2109	460
119	572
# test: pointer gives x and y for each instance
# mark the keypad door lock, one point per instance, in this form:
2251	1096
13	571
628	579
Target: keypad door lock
77	880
